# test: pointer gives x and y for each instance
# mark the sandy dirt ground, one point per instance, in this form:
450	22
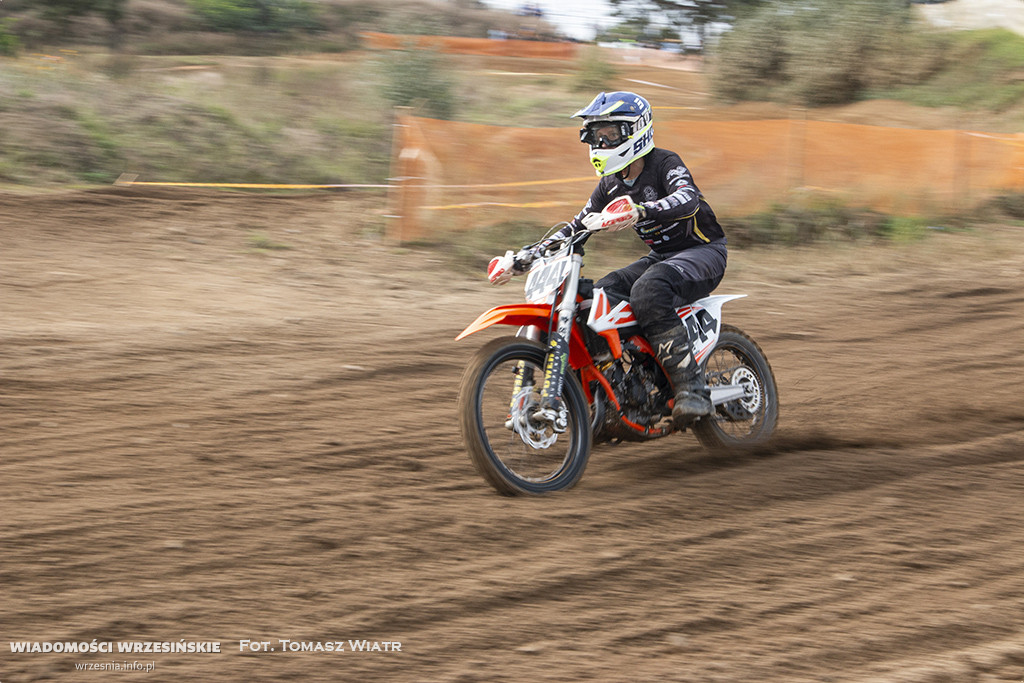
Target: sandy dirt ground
229	417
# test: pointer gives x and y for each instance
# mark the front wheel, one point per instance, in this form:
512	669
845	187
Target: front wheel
515	453
748	422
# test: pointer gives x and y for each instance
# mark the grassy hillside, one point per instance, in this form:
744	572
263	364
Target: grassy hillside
218	27
74	116
178	101
824	52
89	118
85	116
981	69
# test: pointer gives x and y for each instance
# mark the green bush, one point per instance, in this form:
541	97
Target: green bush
256	15
793	225
1011	205
981	70
593	72
904	229
420	79
9	43
819	52
749	63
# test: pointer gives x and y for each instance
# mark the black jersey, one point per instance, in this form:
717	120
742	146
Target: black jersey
678	216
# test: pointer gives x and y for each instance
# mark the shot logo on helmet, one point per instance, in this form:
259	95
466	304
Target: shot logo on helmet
644	140
599	163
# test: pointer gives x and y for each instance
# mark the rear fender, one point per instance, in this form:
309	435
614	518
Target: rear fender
537	315
703	321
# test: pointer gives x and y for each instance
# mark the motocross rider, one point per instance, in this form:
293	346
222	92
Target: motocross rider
668	212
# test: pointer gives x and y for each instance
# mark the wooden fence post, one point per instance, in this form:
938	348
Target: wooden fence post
406	194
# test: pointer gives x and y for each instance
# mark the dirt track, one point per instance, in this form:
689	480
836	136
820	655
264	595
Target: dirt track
207	441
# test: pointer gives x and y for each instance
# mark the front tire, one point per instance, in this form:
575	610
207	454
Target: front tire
746	423
499	389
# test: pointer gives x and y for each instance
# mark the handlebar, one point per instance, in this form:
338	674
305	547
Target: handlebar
561	241
546	245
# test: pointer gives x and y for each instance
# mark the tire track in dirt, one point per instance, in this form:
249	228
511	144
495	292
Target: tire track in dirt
290	467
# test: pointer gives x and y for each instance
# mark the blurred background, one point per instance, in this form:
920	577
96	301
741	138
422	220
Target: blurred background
304	92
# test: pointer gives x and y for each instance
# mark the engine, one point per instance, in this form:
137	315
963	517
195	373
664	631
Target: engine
642	391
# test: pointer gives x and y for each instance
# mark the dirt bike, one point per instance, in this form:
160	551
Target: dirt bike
579	372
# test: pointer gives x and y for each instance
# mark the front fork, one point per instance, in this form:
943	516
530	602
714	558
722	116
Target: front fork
552	410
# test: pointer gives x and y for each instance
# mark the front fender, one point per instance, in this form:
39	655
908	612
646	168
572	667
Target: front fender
509	314
530	314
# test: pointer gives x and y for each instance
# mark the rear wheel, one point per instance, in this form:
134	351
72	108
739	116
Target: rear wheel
747	422
517	455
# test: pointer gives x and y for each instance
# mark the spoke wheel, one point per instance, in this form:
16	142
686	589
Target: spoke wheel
516	453
747	422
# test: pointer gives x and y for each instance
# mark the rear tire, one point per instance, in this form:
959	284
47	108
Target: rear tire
520	460
743	424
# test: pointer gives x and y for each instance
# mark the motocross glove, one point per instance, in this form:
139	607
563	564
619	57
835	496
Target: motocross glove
503	268
620	214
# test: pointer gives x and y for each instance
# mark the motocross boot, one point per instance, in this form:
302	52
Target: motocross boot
692	397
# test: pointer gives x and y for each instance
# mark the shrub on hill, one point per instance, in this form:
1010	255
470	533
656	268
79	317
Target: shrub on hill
820	52
260	16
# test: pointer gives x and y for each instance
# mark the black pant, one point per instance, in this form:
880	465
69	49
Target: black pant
657	284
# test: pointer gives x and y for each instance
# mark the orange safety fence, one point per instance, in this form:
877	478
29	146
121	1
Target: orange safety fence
470	46
448	175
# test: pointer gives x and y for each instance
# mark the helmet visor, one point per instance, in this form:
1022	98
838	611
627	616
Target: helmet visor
604	134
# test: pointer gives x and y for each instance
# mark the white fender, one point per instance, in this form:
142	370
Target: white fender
703	318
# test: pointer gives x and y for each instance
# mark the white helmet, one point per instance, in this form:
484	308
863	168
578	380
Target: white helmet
618	128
